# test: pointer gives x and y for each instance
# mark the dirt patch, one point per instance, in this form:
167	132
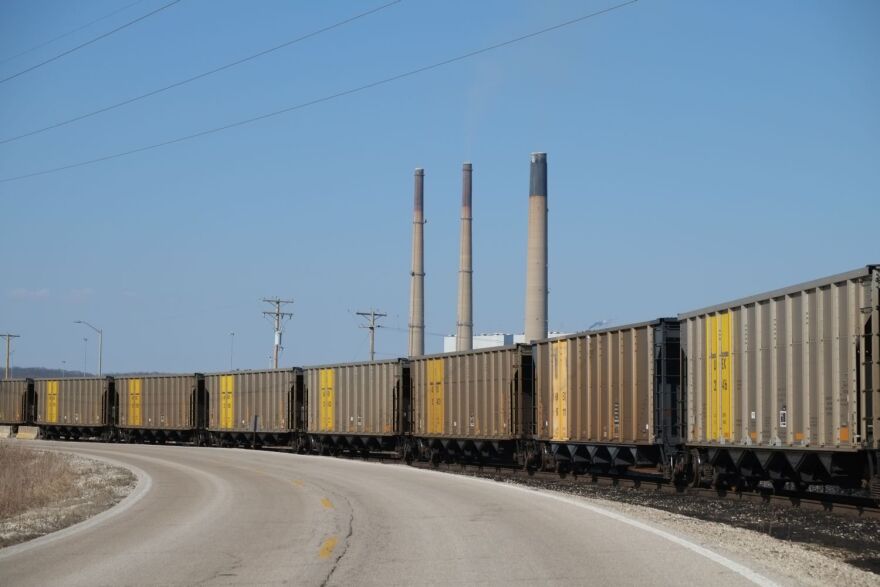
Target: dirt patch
43	491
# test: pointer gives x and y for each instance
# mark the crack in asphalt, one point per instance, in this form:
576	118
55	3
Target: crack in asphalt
227	570
345	543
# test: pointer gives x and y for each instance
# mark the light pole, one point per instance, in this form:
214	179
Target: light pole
85	354
100	344
231	348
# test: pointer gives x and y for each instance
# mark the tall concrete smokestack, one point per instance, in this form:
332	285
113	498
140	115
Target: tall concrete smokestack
464	334
417	279
536	254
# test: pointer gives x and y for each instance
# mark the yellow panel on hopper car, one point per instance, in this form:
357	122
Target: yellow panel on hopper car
227	392
559	386
134	402
726	368
436	412
719	377
327	381
51	401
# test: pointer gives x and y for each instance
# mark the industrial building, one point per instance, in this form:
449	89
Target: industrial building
484	341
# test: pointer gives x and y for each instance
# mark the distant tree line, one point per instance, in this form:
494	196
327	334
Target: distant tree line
46	373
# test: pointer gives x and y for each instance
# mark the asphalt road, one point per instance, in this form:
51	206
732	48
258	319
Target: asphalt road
223	516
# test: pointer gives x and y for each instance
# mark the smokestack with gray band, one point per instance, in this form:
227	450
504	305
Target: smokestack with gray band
536	254
417	275
464	334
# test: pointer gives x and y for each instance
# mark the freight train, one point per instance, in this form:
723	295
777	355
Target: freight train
781	387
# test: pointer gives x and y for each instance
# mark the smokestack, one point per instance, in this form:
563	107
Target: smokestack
536	254
464	335
417	279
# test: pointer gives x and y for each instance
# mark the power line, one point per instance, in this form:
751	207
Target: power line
89	42
327	98
70	32
407	330
199	76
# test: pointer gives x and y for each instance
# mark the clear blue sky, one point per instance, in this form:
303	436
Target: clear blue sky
697	152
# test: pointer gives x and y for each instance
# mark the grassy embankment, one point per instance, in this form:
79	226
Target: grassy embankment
32	479
43	491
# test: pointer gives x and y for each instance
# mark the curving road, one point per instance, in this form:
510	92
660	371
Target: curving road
223	516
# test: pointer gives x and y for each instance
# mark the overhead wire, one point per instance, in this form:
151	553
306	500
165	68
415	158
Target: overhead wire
397	329
322	99
70	32
89	42
201	75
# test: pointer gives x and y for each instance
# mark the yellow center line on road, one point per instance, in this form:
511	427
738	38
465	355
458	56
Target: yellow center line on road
327	547
327	503
297	482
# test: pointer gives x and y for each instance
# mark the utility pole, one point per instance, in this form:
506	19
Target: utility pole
8	342
372	326
278	315
231	348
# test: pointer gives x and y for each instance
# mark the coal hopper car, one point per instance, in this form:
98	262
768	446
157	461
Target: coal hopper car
160	408
357	408
610	400
17	403
785	386
473	406
82	407
249	408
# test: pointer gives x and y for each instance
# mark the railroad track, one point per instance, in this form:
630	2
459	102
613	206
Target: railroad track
844	505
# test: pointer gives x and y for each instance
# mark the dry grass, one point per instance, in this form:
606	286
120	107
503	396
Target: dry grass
43	491
33	478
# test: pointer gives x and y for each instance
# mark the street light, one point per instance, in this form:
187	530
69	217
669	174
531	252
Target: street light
100	344
231	348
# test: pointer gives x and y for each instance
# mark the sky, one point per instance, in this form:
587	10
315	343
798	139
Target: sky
697	152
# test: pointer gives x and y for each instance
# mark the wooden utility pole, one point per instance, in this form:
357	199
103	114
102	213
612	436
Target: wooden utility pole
278	316
372	326
8	342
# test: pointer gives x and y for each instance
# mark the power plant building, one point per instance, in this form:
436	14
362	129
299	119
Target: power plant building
484	341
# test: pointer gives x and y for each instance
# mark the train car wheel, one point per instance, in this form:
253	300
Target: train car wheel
696	469
562	469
